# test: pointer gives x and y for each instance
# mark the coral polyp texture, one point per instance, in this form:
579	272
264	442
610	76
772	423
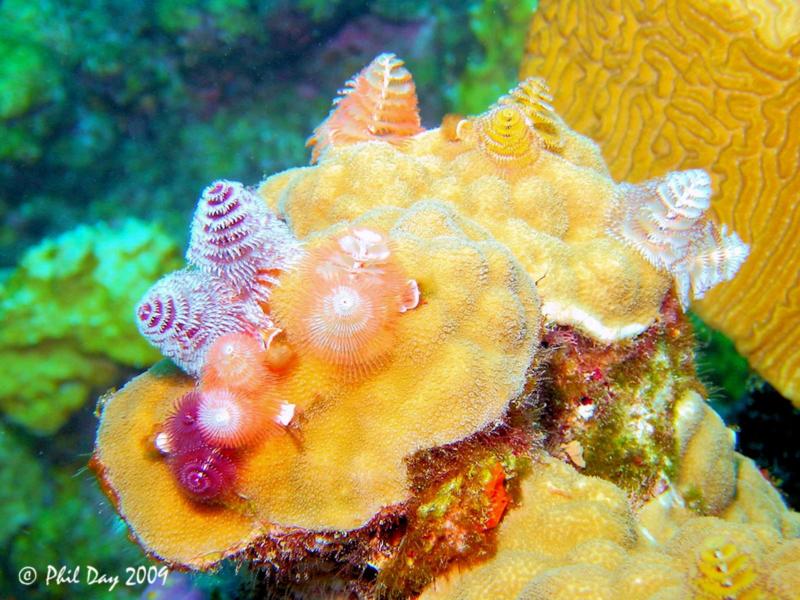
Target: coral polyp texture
687	84
474	371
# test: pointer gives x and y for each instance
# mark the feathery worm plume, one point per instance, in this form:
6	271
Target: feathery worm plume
205	474
238	405
345	301
181	428
533	96
236	238
715	258
230	419
379	103
236	361
506	135
665	220
186	311
661	218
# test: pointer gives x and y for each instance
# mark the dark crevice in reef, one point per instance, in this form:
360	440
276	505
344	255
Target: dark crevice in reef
766	426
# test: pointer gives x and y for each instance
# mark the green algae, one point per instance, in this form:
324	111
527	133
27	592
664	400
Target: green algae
617	403
632	445
730	377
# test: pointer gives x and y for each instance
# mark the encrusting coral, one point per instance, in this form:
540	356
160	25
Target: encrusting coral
536	201
687	84
65	311
476	357
457	359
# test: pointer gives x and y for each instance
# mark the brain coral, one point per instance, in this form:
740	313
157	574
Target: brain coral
474	314
687	84
66	318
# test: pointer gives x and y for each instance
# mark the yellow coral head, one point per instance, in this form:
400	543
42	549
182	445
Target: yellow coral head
505	134
342	303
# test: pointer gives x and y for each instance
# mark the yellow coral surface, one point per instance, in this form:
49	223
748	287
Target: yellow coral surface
166	522
549	209
460	357
722	532
708	84
576	537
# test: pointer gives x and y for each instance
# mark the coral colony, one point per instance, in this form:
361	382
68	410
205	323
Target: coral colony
449	362
56	349
652	111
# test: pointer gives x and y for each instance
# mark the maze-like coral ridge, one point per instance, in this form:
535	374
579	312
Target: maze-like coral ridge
694	84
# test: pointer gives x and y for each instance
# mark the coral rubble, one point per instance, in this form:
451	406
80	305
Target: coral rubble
473	376
699	85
